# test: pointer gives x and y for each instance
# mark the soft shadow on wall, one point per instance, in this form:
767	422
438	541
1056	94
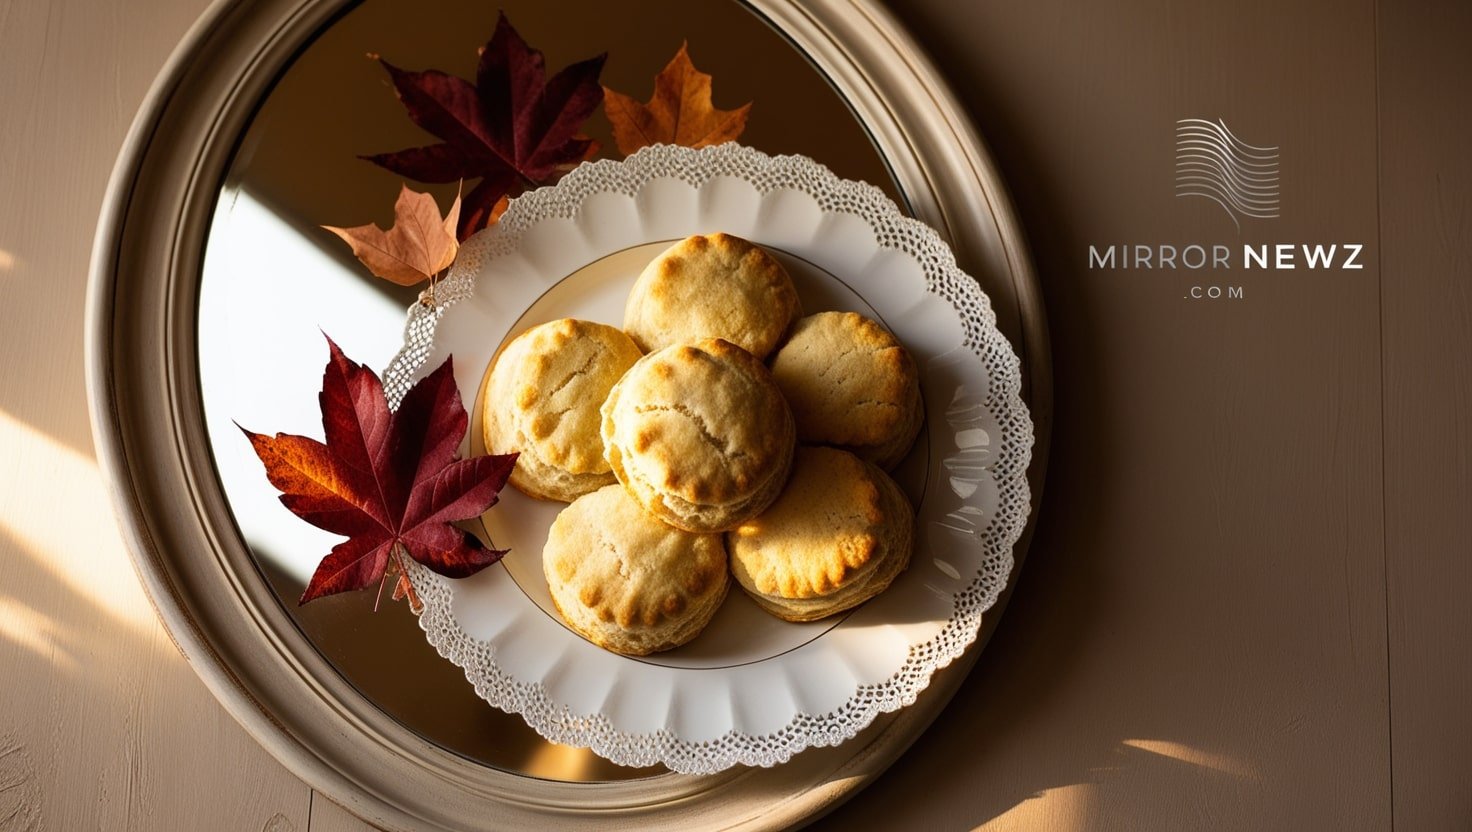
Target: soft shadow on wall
1039	729
91	681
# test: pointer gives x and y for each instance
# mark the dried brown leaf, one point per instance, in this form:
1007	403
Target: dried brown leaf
419	245
680	111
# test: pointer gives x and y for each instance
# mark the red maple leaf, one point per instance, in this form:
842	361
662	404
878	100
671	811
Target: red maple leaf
513	127
388	481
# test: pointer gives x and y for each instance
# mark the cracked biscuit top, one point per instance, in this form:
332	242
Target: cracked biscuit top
542	400
785	553
712	286
701	423
852	385
628	582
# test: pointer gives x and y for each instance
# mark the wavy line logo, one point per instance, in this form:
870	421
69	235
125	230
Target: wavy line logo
1212	163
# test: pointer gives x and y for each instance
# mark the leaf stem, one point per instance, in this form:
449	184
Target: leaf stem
379	595
405	588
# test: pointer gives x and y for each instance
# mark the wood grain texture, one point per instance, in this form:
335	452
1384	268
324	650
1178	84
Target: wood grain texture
330	817
105	726
1426	226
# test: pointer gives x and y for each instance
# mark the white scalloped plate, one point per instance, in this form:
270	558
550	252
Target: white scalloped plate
750	689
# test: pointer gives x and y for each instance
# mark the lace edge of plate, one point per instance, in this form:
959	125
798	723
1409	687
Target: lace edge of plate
981	337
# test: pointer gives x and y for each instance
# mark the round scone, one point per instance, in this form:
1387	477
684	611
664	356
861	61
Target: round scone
699	435
851	384
626	581
712	286
542	400
839	534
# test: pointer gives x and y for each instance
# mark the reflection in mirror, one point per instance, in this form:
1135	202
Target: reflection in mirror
273	282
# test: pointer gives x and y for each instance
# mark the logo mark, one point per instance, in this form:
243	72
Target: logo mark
1212	163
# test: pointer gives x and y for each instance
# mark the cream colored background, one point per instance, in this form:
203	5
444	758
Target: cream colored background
1245	607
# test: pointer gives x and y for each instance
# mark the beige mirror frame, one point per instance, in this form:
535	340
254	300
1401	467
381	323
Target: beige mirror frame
150	437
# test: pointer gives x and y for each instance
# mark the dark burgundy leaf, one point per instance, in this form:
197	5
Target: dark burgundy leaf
356	563
435	164
535	122
457	553
355	420
429	424
385	479
512	128
460	491
447	106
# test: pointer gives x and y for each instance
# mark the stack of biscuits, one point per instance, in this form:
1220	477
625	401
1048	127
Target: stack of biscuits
676	439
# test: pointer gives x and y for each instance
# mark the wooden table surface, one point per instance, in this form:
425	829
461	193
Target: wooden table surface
1245	605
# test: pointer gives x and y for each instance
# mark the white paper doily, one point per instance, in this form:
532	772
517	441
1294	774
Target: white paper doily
750	690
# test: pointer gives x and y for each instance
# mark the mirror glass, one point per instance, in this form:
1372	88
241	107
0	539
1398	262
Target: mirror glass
273	281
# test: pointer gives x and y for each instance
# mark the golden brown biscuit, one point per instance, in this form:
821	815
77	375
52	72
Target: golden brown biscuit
699	435
851	384
712	286
542	400
628	582
836	537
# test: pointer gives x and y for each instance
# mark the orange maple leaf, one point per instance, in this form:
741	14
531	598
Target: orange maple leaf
680	112
420	245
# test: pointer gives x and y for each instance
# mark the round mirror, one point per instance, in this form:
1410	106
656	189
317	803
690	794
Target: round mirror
213	282
273	280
